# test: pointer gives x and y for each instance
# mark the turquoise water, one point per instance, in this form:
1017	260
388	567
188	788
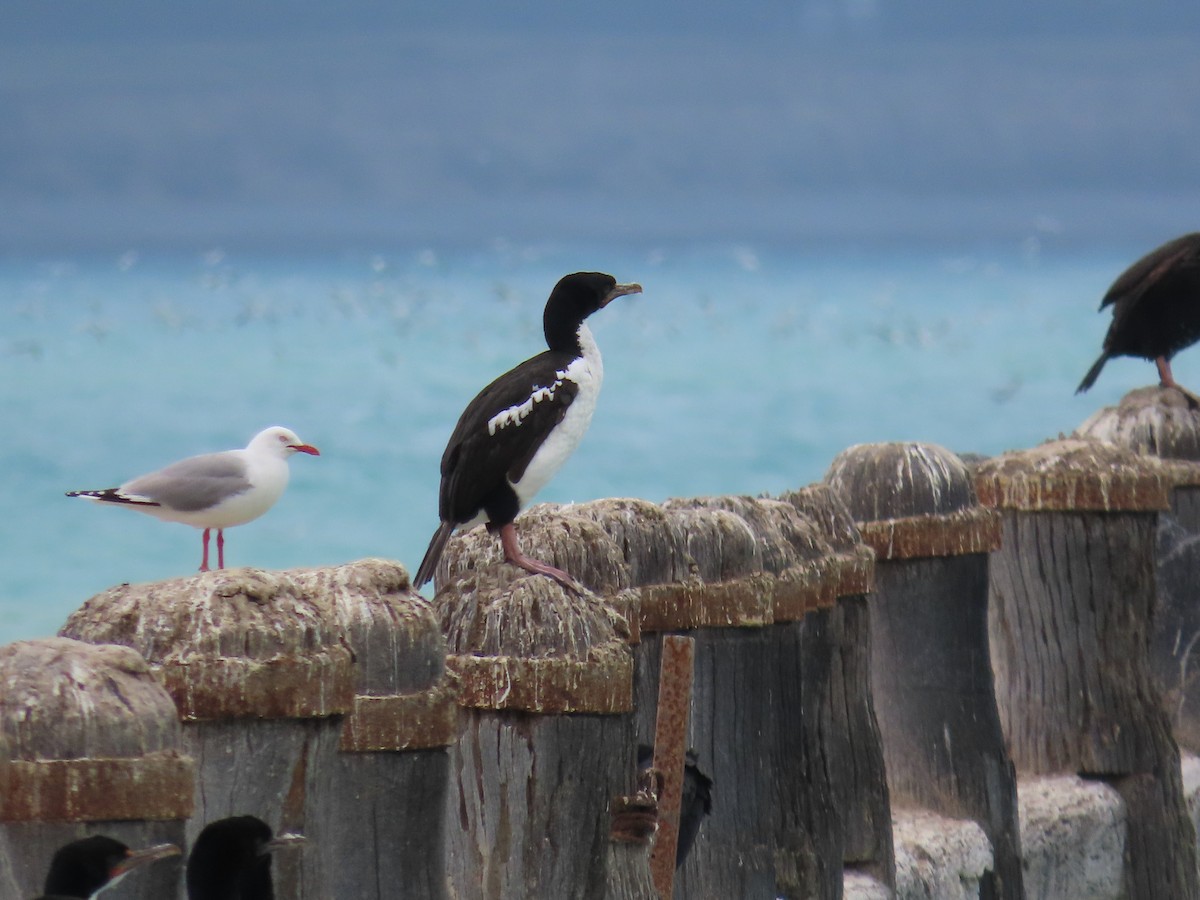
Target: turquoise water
739	370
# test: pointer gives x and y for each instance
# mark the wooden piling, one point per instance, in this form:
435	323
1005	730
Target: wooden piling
261	677
1072	595
387	802
93	746
1161	423
738	575
851	748
931	678
545	679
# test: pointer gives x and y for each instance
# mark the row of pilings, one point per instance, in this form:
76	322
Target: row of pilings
908	679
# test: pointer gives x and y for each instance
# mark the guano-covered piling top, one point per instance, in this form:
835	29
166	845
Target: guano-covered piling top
228	644
90	734
524	642
1072	474
913	500
391	629
692	562
828	511
824	507
557	535
403	698
900	479
1152	421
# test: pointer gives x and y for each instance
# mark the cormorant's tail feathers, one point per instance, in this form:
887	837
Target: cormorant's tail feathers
434	554
1093	373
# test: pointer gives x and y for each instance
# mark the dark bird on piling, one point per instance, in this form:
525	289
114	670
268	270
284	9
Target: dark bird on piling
1156	310
516	434
231	860
82	869
695	801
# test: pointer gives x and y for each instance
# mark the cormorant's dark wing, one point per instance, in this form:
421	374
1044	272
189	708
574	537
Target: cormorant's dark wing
501	430
1150	269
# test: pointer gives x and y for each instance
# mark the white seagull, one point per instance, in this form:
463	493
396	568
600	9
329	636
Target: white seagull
214	490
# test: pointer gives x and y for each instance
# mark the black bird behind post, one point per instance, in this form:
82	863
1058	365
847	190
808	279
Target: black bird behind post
231	860
516	434
83	868
1156	309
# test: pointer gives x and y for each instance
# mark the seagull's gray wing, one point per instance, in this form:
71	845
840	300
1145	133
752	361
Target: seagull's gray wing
194	484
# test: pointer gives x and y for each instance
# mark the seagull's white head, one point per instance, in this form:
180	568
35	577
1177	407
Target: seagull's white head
280	441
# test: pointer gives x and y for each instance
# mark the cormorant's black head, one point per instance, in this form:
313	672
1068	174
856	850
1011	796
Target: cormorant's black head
81	868
573	299
232	858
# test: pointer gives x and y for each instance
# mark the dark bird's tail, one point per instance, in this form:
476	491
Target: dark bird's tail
1093	373
429	564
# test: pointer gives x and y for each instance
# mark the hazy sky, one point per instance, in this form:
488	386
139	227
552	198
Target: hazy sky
279	124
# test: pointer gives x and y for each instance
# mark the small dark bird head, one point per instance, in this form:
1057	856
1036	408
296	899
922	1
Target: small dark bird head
573	299
83	867
232	859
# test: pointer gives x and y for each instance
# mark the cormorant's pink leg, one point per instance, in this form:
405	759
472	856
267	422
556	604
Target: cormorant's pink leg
220	548
204	561
513	554
1168	381
1164	372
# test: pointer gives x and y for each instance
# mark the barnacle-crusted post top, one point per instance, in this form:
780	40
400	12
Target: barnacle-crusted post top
403	699
234	643
528	644
1074	474
912	500
90	736
1153	421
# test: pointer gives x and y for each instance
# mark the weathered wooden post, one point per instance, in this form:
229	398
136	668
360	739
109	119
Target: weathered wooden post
851	746
931	677
385	831
1072	594
545	677
742	576
261	677
93	747
1160	422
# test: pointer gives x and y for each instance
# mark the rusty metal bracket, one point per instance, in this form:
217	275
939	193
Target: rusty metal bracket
670	742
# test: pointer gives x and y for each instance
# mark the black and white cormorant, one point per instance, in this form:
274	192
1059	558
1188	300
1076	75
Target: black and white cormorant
516	434
82	869
1156	309
231	860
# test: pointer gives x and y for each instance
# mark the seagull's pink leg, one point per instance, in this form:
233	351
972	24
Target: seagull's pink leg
220	548
204	561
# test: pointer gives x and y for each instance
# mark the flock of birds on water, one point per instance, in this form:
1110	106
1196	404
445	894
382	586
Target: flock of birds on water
508	443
